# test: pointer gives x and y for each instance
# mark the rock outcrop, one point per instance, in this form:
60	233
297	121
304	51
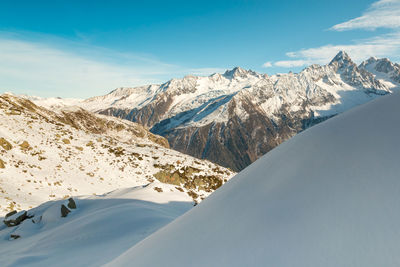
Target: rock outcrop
64	211
71	203
15	218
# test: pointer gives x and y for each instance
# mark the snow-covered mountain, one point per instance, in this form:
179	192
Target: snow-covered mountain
329	196
236	117
383	69
52	154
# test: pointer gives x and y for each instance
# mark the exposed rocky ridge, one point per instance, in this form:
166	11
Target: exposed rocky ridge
234	118
49	154
382	68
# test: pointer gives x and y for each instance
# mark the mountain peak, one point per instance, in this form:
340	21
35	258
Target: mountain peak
235	72
382	65
341	57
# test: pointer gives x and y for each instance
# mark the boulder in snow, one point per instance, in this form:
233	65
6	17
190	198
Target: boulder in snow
14	218
64	211
13	236
71	203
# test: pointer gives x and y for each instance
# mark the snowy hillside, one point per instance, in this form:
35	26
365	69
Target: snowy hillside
96	231
236	117
47	155
329	196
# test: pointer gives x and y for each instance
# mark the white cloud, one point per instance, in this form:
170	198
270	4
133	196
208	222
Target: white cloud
33	67
291	63
267	64
381	14
76	70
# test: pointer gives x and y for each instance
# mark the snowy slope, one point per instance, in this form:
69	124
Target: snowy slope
47	155
329	196
235	117
98	230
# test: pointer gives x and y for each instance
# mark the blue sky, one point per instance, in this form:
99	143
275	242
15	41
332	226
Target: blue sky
86	48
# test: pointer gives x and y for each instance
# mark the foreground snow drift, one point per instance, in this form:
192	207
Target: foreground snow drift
99	228
328	197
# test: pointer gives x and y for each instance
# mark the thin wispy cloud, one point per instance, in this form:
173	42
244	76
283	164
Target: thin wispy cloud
28	66
267	64
33	67
291	63
381	14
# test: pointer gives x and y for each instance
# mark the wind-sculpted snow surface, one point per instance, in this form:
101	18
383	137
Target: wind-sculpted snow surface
99	229
329	196
236	117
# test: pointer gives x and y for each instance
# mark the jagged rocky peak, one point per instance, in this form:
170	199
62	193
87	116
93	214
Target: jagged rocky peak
190	77
122	92
371	60
341	56
242	73
181	86
215	76
342	59
382	65
236	72
314	66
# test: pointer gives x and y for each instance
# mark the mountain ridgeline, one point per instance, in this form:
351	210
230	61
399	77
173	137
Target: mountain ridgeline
234	118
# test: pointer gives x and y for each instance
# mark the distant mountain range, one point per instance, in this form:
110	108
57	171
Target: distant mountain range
234	118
